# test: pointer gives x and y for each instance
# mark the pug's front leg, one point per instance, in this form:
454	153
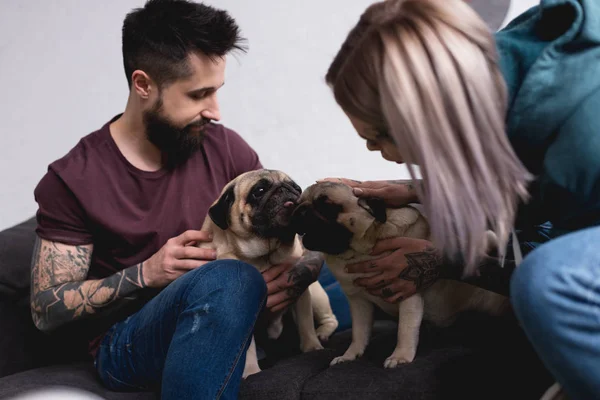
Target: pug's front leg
306	324
251	366
327	322
410	315
361	311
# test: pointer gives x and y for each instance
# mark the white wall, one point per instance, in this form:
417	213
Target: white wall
61	77
517	7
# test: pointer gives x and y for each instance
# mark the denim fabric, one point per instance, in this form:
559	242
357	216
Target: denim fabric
191	339
556	296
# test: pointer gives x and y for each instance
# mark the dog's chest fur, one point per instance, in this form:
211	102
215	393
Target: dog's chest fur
260	252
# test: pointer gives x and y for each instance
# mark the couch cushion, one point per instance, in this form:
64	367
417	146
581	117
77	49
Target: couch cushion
23	346
477	358
16	246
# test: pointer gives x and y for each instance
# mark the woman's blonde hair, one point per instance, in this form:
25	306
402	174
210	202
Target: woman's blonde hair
426	72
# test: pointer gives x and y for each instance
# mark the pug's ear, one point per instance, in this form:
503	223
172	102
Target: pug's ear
220	211
375	206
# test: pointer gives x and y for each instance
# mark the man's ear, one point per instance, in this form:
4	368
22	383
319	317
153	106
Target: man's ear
221	210
141	83
375	206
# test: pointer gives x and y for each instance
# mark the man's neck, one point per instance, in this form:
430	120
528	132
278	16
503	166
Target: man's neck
129	134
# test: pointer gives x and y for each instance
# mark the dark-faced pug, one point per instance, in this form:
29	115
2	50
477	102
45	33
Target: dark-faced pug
330	219
251	222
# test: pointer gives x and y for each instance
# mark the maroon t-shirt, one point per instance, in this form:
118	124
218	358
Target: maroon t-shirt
93	195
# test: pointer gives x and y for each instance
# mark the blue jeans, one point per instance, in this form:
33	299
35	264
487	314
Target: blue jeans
190	340
556	296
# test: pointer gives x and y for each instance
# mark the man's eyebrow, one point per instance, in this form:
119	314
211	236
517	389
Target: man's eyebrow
205	89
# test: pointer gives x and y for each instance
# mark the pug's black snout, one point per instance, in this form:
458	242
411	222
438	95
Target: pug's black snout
298	218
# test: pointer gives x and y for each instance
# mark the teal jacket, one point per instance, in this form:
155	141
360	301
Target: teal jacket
550	58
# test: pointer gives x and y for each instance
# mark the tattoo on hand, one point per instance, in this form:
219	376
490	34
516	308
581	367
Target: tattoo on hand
423	268
386	292
304	273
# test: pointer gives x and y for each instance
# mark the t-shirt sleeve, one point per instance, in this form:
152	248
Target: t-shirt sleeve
244	157
60	216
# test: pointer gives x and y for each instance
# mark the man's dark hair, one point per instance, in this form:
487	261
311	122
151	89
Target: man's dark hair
159	37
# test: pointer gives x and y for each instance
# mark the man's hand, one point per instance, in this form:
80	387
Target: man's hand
393	193
287	281
412	266
178	256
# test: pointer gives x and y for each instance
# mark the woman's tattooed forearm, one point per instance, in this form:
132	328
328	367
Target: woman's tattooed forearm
60	292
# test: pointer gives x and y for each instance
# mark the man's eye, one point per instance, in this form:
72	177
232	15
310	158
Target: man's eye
198	96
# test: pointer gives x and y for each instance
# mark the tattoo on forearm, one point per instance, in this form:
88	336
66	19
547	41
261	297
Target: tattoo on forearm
423	268
304	273
60	292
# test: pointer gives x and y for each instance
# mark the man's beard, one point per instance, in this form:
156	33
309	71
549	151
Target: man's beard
176	144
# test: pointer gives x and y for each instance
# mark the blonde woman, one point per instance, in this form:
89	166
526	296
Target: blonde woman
505	130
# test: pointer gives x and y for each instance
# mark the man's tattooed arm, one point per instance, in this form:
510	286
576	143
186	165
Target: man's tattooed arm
304	273
60	292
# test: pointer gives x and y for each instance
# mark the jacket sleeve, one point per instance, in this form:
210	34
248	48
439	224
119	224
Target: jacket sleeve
569	186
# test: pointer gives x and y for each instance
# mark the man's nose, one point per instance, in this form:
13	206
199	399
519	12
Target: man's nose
212	111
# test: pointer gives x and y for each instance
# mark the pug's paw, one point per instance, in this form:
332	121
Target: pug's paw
395	360
311	345
345	358
326	330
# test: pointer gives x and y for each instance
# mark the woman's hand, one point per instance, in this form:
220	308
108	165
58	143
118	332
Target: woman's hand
393	193
412	266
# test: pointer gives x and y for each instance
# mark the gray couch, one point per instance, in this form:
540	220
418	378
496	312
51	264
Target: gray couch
477	358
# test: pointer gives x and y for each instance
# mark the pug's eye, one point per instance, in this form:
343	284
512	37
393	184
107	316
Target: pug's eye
328	209
258	192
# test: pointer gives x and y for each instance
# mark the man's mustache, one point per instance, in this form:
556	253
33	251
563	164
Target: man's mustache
200	123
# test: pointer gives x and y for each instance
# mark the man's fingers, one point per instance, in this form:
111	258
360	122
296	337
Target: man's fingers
188	265
282	306
397	298
273	272
277	298
193	236
195	253
277	285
